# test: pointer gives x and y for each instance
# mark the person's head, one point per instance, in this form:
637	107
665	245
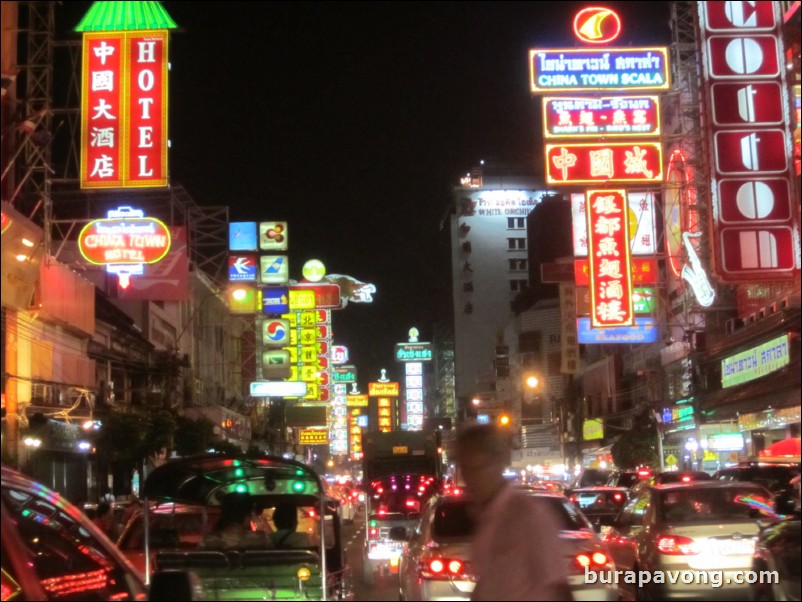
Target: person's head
103	510
235	509
285	516
483	453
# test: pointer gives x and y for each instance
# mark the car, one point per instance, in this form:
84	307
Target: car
591	477
778	549
672	476
600	505
52	551
707	527
435	563
775	476
171	527
628	478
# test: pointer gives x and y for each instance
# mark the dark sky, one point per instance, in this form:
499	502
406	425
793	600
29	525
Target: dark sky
353	121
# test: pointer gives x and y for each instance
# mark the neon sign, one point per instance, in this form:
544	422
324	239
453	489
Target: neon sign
756	362
608	241
642	236
597	25
124	109
694	273
574	70
608	115
601	163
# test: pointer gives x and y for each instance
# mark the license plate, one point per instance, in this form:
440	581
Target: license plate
736	547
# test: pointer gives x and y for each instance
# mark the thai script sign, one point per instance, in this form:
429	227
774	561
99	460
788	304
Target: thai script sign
378	389
129	240
572	70
413	352
756	362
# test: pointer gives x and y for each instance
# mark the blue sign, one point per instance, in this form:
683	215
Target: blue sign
644	331
276	300
483	418
572	70
242	268
242	236
362	421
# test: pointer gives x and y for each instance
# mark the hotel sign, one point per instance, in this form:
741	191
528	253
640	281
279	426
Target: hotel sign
124	109
589	69
756	362
123	241
617	116
313	437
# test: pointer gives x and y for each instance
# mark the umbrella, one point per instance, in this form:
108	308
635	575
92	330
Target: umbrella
785	447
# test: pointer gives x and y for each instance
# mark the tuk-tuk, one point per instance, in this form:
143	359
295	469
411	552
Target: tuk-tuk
315	570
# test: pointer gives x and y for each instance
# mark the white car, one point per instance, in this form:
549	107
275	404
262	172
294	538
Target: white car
436	565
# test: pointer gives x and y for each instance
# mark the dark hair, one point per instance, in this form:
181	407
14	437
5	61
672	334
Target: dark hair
285	516
103	508
236	507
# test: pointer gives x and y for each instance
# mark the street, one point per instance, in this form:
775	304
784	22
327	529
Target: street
385	587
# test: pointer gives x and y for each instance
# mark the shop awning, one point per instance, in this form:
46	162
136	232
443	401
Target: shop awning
786	447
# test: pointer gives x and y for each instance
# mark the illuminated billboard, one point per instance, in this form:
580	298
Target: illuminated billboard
609	258
756	362
614	162
124	109
642	234
616	116
643	330
126	240
589	69
381	389
755	223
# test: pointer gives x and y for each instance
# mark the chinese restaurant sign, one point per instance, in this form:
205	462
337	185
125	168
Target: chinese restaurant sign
755	224
607	115
124	109
601	163
608	241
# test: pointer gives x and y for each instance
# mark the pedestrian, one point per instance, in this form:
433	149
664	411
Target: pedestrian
104	519
516	551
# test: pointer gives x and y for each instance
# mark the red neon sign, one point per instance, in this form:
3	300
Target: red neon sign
607	115
601	163
124	110
124	241
597	25
643	271
609	258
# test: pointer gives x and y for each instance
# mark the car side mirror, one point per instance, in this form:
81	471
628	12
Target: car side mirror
172	586
398	533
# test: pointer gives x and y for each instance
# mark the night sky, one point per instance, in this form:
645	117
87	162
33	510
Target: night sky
353	121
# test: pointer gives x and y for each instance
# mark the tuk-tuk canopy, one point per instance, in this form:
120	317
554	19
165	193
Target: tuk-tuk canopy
206	479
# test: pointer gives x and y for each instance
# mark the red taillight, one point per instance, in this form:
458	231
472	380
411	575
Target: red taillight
457	491
411	503
677	545
618	497
373	532
686	479
442	568
643	474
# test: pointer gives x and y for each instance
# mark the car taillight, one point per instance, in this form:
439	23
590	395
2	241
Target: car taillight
686	479
677	545
591	561
373	532
443	568
618	497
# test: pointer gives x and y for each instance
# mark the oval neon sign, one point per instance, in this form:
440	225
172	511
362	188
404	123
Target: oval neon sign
597	25
124	241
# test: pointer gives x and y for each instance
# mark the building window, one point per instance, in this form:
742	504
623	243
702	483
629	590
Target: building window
516	223
517	285
517	265
516	244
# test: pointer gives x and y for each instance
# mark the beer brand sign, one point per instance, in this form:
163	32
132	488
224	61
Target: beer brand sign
124	110
609	258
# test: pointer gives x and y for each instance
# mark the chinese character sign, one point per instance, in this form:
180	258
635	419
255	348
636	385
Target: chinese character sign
613	162
610	276
124	110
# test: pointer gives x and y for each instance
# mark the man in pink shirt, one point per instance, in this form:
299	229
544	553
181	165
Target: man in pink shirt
516	552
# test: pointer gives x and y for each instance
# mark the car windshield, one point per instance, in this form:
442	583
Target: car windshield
624	479
688	505
593	477
569	517
683	477
451	519
599	500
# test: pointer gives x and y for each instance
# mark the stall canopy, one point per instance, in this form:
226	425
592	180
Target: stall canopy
786	448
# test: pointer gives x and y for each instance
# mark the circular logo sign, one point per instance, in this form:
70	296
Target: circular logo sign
597	25
314	270
120	241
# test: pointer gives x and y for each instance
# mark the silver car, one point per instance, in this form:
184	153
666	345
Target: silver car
436	563
697	536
